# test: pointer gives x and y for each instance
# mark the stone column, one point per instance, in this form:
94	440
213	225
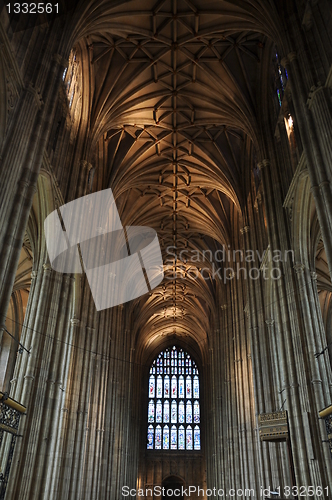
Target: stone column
54	489
21	163
288	332
259	354
317	155
315	433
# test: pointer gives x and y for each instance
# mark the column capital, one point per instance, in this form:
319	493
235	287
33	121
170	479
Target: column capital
47	268
84	164
36	94
75	321
324	184
314	276
264	164
299	268
284	62
34	275
269	322
314	190
292	56
245	230
313	93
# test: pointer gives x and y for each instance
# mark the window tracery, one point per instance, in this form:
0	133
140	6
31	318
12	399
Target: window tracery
174	407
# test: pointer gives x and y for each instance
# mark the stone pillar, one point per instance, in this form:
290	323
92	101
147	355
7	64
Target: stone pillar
260	355
59	456
318	155
288	332
320	457
20	165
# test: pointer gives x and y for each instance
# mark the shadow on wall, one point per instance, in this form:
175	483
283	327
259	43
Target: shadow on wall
172	483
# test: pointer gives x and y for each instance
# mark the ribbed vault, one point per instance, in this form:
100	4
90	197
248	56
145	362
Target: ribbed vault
175	93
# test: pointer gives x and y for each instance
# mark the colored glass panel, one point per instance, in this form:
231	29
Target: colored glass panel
159	412
174	387
196	412
197	438
159	387
181	387
189	412
174	432
166	438
166	412
189	438
181	438
181	412
166	387
150	437
152	382
158	437
196	387
188	388
151	412
174	412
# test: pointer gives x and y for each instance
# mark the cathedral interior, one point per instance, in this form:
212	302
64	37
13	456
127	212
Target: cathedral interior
209	122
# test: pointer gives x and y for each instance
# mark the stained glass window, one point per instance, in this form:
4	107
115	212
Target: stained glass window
152	387
188	388
281	77
197	438
189	413
181	412
150	437
173	406
159	412
181	386
196	387
174	386
196	412
71	77
174	438
159	386
166	438
166	387
181	438
174	412
189	438
158	437
151	412
166	412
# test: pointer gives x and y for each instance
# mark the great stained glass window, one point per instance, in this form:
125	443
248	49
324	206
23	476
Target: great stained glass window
173	408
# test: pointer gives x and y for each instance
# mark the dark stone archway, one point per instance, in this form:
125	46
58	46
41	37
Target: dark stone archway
172	483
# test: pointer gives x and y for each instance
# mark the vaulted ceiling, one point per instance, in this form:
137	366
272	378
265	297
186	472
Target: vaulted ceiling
175	88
